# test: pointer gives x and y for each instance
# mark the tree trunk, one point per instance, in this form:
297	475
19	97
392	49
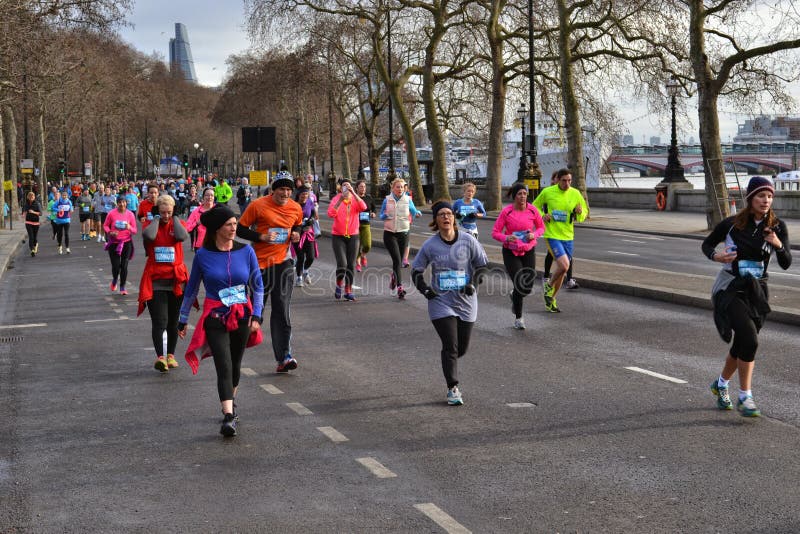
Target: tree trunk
11	213
42	159
11	128
494	164
572	119
441	187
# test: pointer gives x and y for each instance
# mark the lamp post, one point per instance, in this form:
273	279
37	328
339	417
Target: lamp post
390	176
195	162
674	171
522	113
533	176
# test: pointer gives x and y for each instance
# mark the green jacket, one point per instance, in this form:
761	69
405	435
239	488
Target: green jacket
560	205
223	192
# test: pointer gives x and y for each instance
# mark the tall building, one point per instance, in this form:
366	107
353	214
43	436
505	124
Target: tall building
180	54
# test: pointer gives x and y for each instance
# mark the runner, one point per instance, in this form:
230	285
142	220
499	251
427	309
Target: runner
518	227
105	201
278	219
396	212
243	195
231	318
344	209
223	191
305	250
740	294
145	211
164	276
119	228
468	209
364	228
407	250
85	213
565	205
570	283
32	210
193	224
63	214
458	263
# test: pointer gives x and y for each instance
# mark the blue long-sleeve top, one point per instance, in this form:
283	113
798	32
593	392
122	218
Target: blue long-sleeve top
219	270
411	207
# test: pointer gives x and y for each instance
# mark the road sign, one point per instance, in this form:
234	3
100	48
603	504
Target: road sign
26	171
8	185
87	168
258	178
26	164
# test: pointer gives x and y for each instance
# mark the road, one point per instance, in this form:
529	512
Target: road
557	433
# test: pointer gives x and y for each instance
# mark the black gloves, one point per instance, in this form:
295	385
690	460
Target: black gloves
181	326
467	290
430	294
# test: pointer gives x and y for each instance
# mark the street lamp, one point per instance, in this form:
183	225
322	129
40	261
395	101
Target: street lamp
534	174
674	171
390	176
522	113
195	163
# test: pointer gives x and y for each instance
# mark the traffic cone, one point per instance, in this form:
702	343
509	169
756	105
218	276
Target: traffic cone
733	205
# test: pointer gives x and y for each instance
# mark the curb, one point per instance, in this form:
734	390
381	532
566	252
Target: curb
5	259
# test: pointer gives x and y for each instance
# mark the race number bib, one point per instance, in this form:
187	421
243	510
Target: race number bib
85	209
192	208
753	269
149	216
282	235
120	225
451	280
467	210
363	216
522	235
559	215
233	295
164	254
108	206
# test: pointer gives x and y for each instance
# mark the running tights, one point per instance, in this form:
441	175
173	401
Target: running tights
522	271
119	262
454	334
305	256
745	332
62	232
227	348
396	243
164	311
345	250
33	235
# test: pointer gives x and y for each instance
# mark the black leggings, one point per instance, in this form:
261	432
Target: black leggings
164	310
345	250
745	338
62	231
522	271
33	235
395	243
454	334
227	348
119	262
305	256
548	262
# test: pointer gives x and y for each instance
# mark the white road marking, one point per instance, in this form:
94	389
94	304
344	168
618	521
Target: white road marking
632	241
656	375
375	467
450	525
28	325
623	253
248	372
333	434
272	390
520	405
120	318
298	408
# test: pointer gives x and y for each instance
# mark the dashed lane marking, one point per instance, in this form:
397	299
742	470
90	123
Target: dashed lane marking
632	241
246	371
521	405
120	318
28	325
333	434
623	253
441	518
298	408
272	390
375	467
656	375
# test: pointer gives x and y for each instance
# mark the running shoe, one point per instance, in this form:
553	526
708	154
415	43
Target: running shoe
572	284
337	293
68	251
228	428
298	282
454	397
60	250
122	290
358	267
306	277
401	293
33	253
548	289
161	364
36	248
406	264
364	262
747	407
552	307
99	239
172	363
519	324
113	285
723	396
393	283
348	294
287	365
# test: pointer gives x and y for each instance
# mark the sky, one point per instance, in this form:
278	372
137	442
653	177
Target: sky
216	30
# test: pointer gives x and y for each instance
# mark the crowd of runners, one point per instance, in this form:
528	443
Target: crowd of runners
278	242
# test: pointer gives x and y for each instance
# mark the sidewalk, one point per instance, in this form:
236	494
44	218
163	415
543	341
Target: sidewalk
10	241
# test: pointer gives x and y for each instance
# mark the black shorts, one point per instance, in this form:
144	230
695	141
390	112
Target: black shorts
84	217
95	215
103	216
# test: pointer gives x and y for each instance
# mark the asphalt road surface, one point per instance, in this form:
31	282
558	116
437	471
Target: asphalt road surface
562	429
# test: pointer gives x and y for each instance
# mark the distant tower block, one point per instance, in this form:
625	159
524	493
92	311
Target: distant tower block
180	54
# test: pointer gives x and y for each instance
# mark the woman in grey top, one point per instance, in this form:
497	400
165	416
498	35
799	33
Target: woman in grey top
457	263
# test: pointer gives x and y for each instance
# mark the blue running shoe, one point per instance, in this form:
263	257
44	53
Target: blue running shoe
286	365
747	407
723	396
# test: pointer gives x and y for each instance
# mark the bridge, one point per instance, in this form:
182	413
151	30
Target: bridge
778	156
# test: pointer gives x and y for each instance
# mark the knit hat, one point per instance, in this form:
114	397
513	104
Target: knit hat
516	188
214	218
756	184
282	179
121	198
442	204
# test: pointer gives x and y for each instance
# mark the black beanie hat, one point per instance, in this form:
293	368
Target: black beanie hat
516	188
214	218
756	184
442	204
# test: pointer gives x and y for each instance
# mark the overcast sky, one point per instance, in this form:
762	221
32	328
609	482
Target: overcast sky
216	31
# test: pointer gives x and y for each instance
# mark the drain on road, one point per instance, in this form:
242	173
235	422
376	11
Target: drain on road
11	339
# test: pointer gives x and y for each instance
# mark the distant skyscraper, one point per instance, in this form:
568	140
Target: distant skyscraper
180	54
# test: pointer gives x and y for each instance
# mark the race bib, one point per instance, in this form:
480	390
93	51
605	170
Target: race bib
233	295
192	208
108	206
450	280
753	269
522	235
120	225
164	254
363	216
282	237
559	215
149	216
63	212
467	210
85	209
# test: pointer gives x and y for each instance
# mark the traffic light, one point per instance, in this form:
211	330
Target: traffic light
62	166
121	167
186	161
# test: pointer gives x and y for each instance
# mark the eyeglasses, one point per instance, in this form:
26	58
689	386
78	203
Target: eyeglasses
445	214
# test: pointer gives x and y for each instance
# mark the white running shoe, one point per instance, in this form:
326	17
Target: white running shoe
69	251
60	250
454	397
99	239
519	324
298	281
306	277
572	284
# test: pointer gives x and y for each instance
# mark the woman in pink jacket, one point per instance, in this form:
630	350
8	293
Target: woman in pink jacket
344	210
193	222
119	228
518	227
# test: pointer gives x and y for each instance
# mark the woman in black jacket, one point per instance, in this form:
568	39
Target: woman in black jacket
740	293
32	210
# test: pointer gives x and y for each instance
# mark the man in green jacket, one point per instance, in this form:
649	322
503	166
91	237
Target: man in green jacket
561	205
223	192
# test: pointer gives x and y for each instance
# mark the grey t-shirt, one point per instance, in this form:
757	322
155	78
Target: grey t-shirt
452	266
